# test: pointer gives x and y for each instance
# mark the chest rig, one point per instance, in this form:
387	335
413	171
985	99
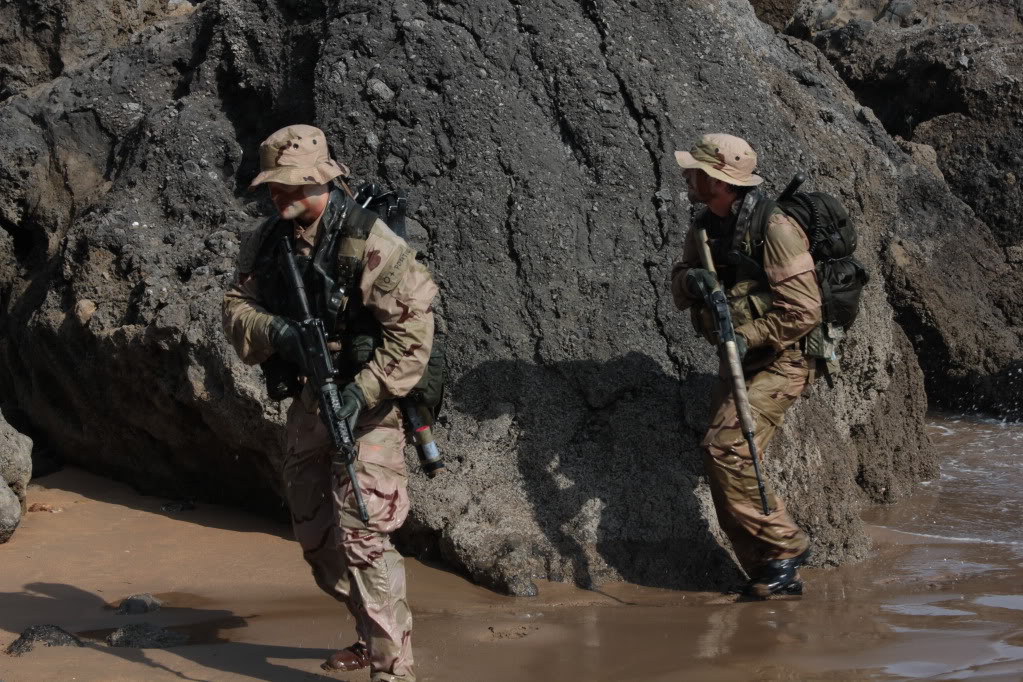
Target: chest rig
330	274
738	260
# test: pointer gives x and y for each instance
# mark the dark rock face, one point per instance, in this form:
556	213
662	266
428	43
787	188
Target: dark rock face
777	13
995	18
537	142
962	99
962	96
41	40
42	635
145	636
15	472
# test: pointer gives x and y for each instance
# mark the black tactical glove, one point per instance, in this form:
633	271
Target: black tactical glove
287	342
697	277
352	402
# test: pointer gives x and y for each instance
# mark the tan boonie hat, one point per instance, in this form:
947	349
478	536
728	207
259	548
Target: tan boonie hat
297	155
725	157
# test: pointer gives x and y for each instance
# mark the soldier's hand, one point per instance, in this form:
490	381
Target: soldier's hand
287	342
700	282
352	402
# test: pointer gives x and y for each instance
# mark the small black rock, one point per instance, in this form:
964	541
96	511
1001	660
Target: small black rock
145	636
46	635
139	603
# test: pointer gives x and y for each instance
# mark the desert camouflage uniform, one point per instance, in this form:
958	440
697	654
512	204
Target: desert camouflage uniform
353	561
772	311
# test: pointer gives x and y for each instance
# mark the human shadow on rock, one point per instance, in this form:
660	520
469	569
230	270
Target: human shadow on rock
610	465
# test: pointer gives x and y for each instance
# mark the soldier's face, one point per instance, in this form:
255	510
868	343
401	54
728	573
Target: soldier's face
303	203
700	186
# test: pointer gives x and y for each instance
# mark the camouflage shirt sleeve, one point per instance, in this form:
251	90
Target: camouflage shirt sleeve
690	259
246	322
796	305
399	291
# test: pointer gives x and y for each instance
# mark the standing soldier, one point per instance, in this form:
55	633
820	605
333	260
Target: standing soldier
774	302
364	282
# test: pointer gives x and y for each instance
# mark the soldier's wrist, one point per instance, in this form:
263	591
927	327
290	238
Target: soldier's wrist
372	389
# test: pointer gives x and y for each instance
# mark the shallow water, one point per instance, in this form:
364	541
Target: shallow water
941	597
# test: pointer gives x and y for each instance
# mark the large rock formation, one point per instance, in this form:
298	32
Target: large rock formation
42	39
957	68
537	142
15	472
997	18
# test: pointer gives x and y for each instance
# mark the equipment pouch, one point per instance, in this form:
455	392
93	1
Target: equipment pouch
746	304
822	343
430	389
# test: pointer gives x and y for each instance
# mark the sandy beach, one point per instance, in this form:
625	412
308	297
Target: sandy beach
925	606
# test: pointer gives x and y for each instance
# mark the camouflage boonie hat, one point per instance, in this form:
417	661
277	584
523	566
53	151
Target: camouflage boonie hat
724	157
297	155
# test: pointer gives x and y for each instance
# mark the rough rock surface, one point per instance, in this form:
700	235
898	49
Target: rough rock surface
961	103
145	636
10	513
42	635
996	18
15	472
40	40
537	142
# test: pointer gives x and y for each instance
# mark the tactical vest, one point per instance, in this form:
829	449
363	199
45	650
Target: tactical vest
331	276
742	276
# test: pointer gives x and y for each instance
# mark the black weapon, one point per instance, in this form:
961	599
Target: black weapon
790	189
322	375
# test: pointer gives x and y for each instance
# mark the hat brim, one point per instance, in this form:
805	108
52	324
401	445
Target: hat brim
686	160
289	175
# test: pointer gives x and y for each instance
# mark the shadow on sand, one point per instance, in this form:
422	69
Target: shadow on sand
54	602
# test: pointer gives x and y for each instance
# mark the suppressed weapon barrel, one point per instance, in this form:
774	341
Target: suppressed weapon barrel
322	374
718	304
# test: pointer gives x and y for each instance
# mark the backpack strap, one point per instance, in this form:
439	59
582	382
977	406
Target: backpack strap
752	227
354	231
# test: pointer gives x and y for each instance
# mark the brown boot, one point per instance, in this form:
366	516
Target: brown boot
354	657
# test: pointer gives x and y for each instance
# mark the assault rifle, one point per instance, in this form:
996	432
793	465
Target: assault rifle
718	305
322	375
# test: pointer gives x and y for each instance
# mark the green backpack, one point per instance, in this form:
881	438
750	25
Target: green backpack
840	276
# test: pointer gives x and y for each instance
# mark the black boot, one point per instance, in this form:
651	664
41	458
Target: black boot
778	577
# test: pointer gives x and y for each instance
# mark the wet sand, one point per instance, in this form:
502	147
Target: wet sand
946	604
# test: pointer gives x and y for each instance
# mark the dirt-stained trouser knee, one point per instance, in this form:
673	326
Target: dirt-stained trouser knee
353	561
756	538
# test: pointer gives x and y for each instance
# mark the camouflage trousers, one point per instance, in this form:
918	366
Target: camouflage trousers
755	538
353	561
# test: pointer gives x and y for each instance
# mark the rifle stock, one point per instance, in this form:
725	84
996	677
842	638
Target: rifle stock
322	374
718	304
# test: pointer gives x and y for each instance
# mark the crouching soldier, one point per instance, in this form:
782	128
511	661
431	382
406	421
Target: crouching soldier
774	302
363	282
